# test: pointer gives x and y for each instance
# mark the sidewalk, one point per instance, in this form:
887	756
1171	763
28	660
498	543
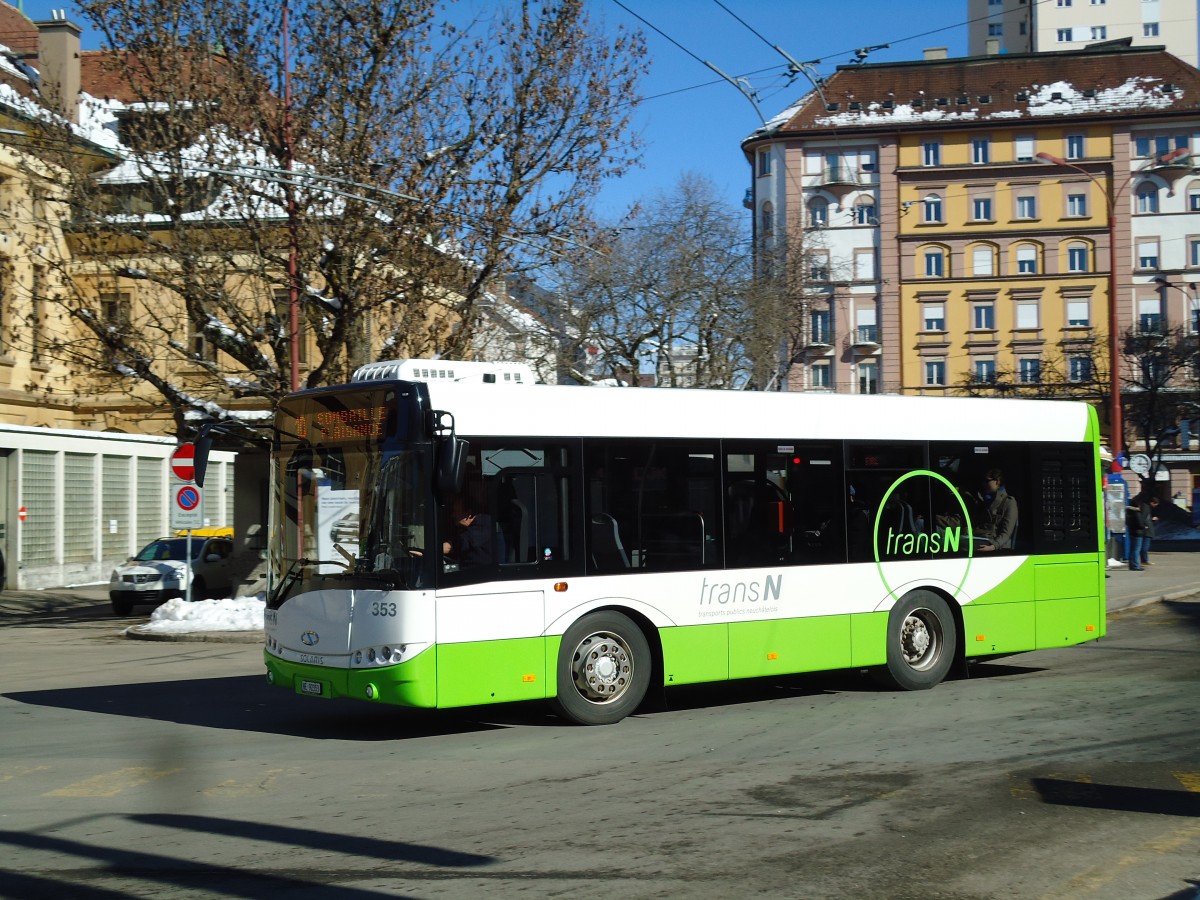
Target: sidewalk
1172	575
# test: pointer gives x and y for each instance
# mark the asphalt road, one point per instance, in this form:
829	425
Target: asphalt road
138	769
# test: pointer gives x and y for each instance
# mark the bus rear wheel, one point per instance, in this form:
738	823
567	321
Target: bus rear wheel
921	641
603	669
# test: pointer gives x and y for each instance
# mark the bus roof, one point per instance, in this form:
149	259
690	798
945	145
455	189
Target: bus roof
446	370
570	411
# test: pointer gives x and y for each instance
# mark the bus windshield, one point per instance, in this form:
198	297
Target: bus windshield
351	511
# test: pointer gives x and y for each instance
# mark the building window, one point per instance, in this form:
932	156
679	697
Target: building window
1064	2
764	162
935	317
1159	144
1029	370
1147	254
1153	371
981	151
818	212
983	317
864	265
768	220
1023	148
981	209
115	310
1149	317
1027	316
1077	258
1149	29
1194	252
985	371
818	267
866	331
1147	198
37	318
1076	146
931	153
1193	200
935	372
983	261
864	212
1027	207
932	208
1027	261
818	323
1063	35
820	375
995	29
1079	369
935	264
1099	32
1077	204
868	378
1078	313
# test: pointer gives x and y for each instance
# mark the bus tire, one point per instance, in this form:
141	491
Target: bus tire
921	642
604	668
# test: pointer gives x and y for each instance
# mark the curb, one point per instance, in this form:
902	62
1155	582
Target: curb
137	633
1137	602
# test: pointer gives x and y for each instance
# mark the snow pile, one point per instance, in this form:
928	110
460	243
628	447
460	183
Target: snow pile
177	616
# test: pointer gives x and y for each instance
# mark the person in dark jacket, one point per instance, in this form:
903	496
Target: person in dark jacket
1151	518
998	531
1137	518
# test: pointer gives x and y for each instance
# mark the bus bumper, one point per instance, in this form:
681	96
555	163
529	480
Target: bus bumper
412	683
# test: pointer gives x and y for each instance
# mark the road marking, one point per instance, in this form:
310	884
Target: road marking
234	788
112	783
1190	780
20	773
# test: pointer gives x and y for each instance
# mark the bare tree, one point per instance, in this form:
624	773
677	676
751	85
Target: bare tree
1163	386
1078	372
666	291
406	158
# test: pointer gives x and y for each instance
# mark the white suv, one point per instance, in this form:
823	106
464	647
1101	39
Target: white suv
159	572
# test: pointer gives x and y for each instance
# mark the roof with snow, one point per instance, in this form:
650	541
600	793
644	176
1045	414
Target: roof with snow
1103	81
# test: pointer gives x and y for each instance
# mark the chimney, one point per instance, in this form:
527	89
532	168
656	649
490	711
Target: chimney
58	64
935	52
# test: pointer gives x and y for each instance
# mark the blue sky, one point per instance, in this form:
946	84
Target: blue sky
692	119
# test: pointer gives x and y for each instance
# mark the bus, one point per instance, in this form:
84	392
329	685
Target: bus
437	544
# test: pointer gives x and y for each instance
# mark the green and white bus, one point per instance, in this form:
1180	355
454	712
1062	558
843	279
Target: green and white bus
442	544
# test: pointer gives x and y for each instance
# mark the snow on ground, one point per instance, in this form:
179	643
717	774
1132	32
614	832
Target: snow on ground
177	616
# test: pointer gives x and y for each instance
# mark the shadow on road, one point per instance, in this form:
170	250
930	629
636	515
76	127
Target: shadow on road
293	877
1118	797
37	609
246	703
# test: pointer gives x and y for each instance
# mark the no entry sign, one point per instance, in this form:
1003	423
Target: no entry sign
183	462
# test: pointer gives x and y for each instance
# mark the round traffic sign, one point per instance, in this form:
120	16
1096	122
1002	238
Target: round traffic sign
183	462
188	498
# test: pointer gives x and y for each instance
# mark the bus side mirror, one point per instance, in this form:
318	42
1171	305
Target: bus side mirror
451	464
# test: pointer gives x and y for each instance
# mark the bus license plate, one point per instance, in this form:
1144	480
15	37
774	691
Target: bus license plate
312	687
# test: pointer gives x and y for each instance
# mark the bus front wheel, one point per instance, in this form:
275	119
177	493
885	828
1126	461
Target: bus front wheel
603	669
921	642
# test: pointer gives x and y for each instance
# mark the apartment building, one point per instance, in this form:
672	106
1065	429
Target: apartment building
958	217
1030	26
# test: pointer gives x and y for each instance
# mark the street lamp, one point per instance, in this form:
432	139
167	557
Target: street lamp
1116	426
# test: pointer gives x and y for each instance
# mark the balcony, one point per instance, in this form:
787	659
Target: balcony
865	339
